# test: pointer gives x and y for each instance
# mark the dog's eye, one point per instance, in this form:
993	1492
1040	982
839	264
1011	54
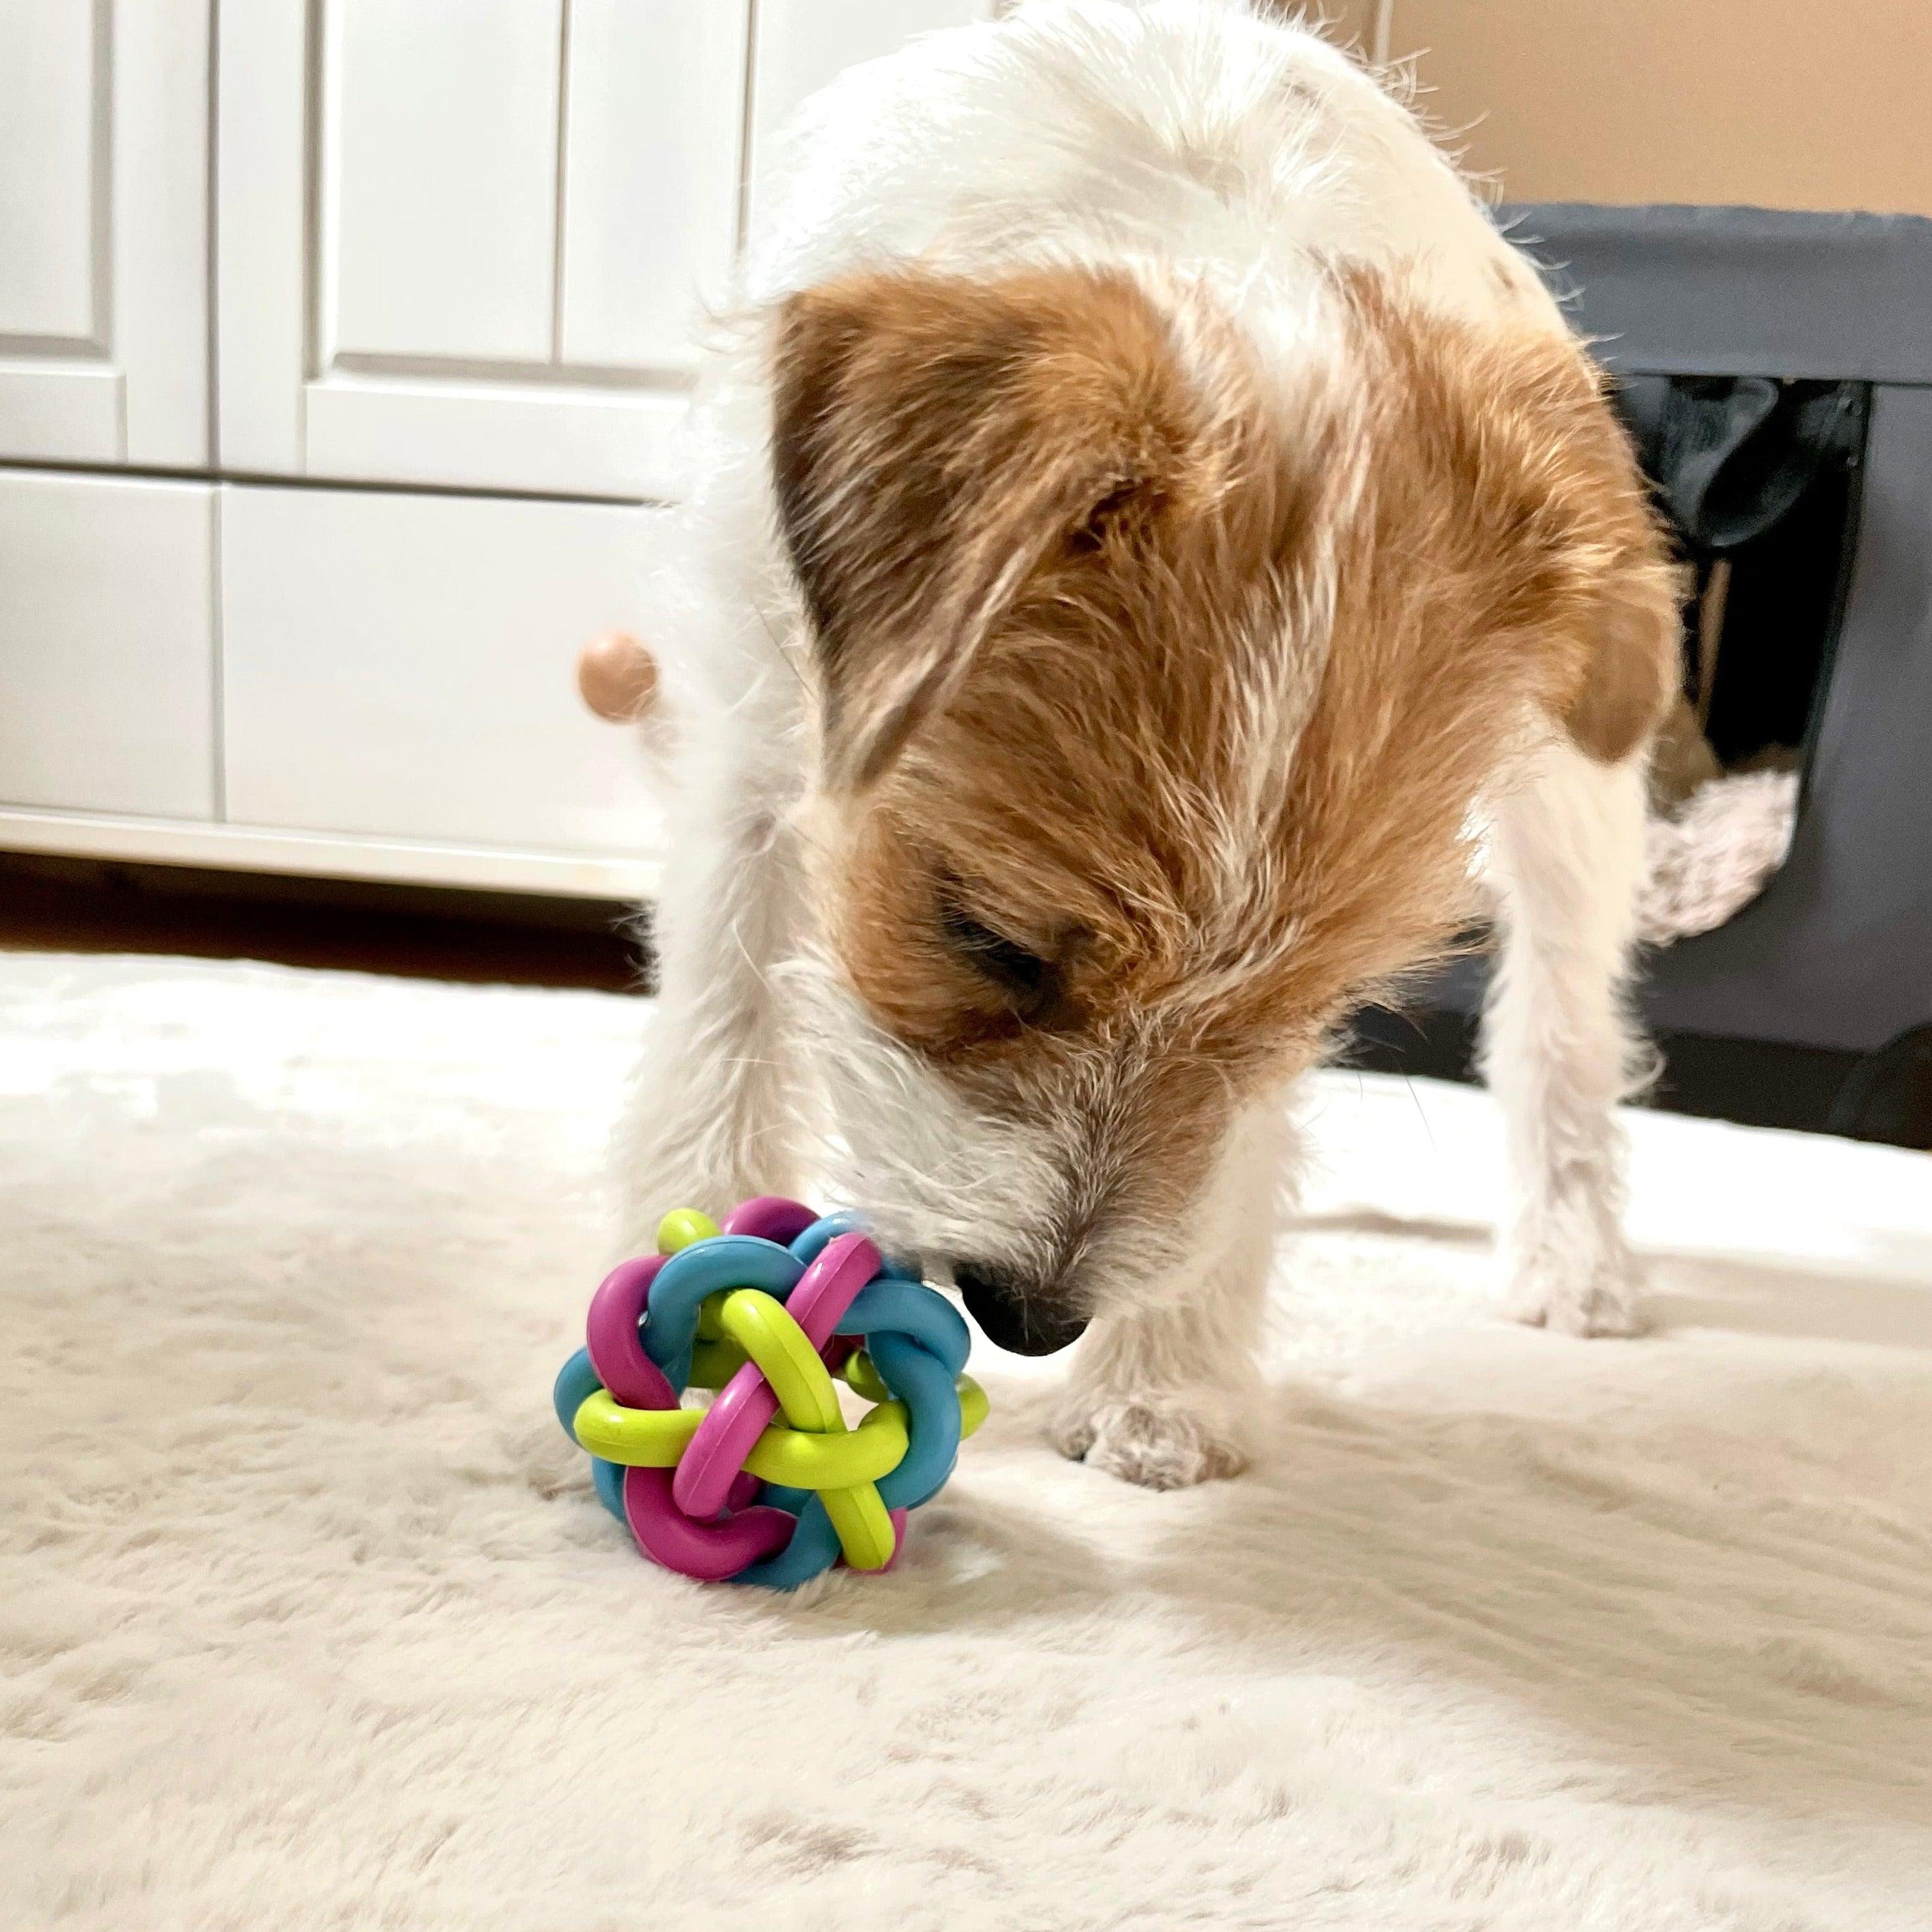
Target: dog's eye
1004	962
1114	511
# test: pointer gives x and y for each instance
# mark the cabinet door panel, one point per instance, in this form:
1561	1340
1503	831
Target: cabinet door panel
106	644
651	214
402	667
70	411
159	253
48	147
104	326
803	43
261	254
519	203
439	172
383	429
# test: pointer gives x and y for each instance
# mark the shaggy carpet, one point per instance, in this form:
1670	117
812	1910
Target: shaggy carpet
309	1618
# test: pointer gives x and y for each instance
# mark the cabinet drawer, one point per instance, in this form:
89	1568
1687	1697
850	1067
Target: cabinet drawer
402	666
106	645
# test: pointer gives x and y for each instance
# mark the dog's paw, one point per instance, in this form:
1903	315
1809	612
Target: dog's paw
1575	1288
1168	1440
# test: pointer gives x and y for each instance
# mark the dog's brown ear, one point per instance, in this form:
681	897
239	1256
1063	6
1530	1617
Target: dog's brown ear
1531	500
1588	561
933	439
1610	561
1633	667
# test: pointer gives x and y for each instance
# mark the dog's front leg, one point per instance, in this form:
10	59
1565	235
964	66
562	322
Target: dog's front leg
712	1117
1169	1394
1560	1050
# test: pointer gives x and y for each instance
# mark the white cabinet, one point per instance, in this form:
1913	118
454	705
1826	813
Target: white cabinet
104	257
802	43
466	242
106	645
401	667
460	249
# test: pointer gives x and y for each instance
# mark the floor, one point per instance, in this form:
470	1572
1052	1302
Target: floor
310	1618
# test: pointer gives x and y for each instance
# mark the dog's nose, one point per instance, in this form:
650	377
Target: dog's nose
1021	1317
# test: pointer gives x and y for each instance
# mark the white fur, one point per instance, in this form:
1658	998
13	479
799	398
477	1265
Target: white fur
1168	1394
1567	856
1186	142
1710	856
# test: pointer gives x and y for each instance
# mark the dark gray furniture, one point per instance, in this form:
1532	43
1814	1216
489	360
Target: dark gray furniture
1812	1007
1837	951
1834	961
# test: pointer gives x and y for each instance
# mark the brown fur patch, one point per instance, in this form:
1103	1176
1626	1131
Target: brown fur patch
1180	687
933	439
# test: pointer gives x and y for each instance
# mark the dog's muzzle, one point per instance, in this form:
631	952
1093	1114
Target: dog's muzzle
1021	1317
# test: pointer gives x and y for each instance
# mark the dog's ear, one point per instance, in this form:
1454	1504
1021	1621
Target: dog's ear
1633	665
1564	508
1602	556
1531	501
1632	596
933	439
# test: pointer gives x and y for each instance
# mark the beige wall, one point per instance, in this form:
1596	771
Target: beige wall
1349	22
1786	103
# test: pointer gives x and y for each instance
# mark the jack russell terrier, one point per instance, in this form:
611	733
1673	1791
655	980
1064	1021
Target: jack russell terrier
1160	562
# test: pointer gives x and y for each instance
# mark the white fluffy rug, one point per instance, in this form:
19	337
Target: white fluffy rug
308	1617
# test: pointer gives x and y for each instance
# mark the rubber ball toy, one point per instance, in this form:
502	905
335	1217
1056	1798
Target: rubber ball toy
768	1484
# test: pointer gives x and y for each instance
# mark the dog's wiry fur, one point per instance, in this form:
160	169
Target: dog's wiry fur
1139	540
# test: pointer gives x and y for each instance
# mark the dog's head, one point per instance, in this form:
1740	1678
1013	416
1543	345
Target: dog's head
1157	672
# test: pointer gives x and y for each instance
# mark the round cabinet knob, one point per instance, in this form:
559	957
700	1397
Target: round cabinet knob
618	677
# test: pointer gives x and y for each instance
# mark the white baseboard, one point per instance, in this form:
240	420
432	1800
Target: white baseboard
166	842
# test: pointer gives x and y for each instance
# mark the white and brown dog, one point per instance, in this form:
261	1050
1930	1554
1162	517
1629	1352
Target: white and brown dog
1157	547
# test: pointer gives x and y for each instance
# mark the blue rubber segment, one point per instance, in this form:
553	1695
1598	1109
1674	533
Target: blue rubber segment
780	1497
922	1381
910	1308
814	1547
722	1261
807	1246
609	1477
576	1383
810	1244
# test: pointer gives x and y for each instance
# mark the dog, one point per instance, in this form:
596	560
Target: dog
1159	557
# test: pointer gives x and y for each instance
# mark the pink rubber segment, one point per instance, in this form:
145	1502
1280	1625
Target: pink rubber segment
745	1405
744	1490
709	1551
831	1285
714	1456
769	1217
611	1334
